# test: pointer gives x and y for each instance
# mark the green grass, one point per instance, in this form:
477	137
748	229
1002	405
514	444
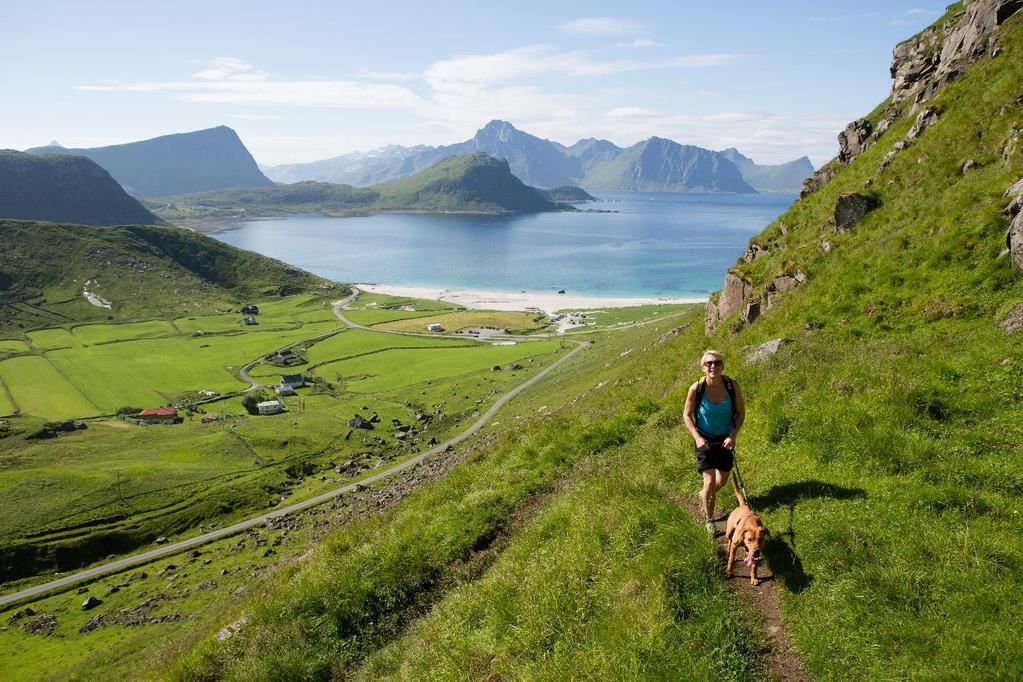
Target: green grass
611	580
92	334
45	339
513	321
40	389
13	346
368	301
391	369
599	318
369	317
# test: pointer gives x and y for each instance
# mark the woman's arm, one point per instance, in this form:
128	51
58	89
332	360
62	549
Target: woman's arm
689	414
740	417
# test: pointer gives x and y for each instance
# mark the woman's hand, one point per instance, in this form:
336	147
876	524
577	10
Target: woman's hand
729	443
702	445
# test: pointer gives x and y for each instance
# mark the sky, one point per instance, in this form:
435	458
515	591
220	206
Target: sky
301	81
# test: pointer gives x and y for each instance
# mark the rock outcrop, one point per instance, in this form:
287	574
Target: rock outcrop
1014	235
922	64
854	140
766	350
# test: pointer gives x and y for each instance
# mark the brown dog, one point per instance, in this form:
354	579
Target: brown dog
744	529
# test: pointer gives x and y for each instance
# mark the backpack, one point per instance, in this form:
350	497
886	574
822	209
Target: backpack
701	388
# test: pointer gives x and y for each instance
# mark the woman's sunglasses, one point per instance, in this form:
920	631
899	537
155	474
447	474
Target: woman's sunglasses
713	363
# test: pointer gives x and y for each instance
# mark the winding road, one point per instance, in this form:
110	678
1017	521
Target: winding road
175	547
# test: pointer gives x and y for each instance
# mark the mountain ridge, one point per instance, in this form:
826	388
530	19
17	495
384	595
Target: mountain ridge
60	188
179	163
543	163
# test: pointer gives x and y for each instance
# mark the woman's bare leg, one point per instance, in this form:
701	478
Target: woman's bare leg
708	493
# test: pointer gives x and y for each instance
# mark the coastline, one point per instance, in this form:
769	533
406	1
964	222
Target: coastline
507	300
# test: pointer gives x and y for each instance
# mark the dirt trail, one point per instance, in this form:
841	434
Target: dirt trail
782	660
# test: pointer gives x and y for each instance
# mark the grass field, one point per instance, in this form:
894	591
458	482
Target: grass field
512	321
143	372
13	346
40	389
611	317
45	339
92	334
370	301
390	369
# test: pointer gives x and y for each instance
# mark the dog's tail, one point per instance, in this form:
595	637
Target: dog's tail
738	491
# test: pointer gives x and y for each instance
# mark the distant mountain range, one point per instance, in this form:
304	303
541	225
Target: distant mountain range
470	183
655	164
69	189
199	161
784	177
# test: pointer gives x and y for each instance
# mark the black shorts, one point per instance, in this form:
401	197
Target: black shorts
717	457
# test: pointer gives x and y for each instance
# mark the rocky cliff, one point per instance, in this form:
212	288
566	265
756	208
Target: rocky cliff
922	69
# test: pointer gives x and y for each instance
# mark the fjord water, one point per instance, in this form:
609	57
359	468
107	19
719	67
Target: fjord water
652	245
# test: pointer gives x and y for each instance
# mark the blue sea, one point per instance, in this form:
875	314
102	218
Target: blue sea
651	245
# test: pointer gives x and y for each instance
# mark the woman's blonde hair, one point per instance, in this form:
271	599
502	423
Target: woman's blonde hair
715	353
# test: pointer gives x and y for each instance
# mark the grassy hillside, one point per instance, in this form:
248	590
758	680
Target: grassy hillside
130	271
882	449
473	183
69	189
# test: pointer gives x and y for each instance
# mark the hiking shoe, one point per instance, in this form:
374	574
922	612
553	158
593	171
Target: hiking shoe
709	526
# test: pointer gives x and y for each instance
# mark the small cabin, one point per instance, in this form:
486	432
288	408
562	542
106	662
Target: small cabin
293	380
248	321
159	415
270	407
434	327
284	390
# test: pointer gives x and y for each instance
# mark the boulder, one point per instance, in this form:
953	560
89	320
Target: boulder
854	140
1012	321
766	350
360	422
851	208
91	603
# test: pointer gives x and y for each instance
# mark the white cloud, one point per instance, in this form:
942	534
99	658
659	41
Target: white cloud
542	60
639	43
230	80
603	26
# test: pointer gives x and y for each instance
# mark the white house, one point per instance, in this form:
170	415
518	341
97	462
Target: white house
270	407
293	381
284	390
434	327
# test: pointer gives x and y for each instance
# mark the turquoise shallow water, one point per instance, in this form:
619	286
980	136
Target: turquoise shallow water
655	244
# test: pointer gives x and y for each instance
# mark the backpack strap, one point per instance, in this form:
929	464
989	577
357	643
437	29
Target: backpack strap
730	387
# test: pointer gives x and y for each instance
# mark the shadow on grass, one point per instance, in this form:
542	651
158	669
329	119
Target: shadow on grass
781	547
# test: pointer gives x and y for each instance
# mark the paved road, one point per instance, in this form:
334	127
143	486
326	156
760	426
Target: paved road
175	547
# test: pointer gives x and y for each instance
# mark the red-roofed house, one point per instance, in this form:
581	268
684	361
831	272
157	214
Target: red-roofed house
159	415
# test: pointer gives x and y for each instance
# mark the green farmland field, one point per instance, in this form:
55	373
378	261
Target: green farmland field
44	339
40	389
391	369
92	334
79	381
13	346
466	318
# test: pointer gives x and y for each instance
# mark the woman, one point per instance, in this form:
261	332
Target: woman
714	413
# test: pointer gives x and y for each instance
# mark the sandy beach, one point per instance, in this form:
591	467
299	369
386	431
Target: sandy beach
506	300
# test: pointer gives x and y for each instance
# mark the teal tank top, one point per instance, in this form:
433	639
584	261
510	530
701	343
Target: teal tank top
714	419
